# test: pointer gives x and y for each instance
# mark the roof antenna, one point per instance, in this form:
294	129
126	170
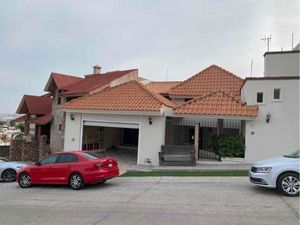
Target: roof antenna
292	41
251	68
268	41
167	73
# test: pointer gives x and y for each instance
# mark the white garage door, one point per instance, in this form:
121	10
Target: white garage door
111	124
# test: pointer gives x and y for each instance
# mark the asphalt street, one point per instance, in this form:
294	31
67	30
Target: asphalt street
149	200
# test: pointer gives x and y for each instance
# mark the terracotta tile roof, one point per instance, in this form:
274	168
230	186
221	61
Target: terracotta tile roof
130	96
161	87
62	80
211	79
35	105
92	82
42	120
216	104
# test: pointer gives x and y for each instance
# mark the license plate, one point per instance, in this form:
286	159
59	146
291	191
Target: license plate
110	165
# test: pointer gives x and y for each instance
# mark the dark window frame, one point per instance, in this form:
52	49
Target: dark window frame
259	97
277	96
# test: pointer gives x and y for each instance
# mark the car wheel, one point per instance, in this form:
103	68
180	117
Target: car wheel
289	184
24	180
9	175
76	181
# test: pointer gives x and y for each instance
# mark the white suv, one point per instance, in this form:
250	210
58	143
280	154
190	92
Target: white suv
281	173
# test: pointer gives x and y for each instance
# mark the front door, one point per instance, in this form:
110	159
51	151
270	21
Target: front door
42	173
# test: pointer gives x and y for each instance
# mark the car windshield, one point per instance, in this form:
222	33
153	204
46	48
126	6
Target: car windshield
90	155
295	154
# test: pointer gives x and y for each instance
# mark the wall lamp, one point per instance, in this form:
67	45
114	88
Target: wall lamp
268	117
150	120
72	117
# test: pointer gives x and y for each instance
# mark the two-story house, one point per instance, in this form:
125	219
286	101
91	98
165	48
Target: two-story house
275	131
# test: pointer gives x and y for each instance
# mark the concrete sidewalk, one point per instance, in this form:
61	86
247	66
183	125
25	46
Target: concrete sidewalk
200	166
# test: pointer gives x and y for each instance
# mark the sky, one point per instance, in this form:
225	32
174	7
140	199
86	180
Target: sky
165	40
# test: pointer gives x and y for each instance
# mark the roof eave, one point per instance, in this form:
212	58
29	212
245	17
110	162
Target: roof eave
48	84
115	112
215	116
20	106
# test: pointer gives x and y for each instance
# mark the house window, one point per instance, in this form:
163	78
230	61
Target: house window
259	97
276	94
58	100
60	127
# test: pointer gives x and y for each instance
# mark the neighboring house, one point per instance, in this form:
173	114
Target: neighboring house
136	115
275	131
62	88
38	117
65	88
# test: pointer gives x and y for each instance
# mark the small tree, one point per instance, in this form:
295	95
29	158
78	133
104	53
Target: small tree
21	127
18	137
230	146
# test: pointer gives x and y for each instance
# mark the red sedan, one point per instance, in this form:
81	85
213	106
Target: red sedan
75	168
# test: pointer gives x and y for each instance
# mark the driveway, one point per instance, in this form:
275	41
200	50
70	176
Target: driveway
149	200
126	158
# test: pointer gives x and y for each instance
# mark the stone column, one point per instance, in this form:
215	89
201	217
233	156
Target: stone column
44	149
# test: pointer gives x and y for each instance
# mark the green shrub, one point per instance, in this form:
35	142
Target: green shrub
230	146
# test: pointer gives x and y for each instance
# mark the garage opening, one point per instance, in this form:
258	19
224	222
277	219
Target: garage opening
118	142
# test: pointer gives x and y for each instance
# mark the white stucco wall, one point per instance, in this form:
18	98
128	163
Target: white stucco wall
281	135
73	132
286	64
151	137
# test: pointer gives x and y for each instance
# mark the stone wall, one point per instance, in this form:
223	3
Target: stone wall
43	148
23	150
15	151
30	151
4	151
